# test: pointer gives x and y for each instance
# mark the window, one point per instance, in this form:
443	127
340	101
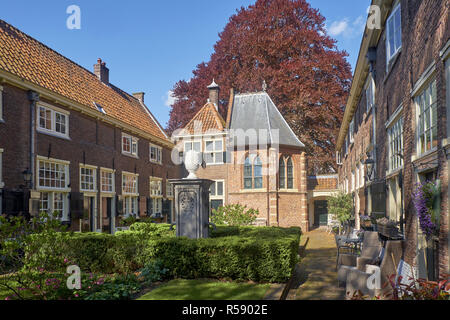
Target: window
338	158
157	206
52	120
253	173
351	130
217	194
54	203
370	94
129	145
156	187
107	180
88	177
286	173
193	145
427	119
52	175
130	183
393	33
353	181
214	152
169	189
1	103
395	140
131	205
155	154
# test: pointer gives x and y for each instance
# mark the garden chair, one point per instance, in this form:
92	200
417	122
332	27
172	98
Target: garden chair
356	281
371	249
346	243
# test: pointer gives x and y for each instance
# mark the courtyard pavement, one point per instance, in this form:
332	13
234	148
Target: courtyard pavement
315	276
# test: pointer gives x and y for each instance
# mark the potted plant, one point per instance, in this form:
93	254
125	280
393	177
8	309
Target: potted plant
387	228
427	204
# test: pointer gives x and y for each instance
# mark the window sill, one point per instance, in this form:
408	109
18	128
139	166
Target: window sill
130	155
156	162
108	193
288	190
214	164
47	189
54	134
89	191
253	190
417	158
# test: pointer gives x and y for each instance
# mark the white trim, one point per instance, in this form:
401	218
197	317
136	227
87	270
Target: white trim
94	173
392	119
53	189
53	111
159	149
135	175
133	140
445	52
192	142
214	151
424	80
389	57
112	172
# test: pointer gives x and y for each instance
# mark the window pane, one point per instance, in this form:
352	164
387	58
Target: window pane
219	157
220	188
213	189
209	146
218	145
187	146
282	174
197	146
290	174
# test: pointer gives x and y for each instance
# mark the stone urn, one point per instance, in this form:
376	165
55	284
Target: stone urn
192	164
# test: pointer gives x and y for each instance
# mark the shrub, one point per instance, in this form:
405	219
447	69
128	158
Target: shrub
245	253
153	229
234	215
341	206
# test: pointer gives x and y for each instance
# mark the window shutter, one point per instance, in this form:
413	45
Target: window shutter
149	207
76	205
139	206
379	198
166	207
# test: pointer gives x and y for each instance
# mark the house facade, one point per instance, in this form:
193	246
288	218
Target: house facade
73	144
256	160
396	117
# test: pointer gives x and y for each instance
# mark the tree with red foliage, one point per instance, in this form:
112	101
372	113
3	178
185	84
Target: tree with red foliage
283	42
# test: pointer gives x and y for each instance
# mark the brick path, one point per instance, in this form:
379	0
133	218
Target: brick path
316	276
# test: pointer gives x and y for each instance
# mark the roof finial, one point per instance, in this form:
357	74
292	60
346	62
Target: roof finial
264	86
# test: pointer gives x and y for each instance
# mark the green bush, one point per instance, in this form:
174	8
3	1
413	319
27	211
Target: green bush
244	253
153	229
234	215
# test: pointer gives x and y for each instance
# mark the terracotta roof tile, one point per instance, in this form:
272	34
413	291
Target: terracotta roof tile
209	118
31	60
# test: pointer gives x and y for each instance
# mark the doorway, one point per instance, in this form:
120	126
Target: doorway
320	213
104	222
88	220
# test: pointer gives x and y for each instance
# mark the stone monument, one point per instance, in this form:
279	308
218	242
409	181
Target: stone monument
192	201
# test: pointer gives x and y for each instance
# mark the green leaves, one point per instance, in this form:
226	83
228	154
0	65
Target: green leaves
341	206
234	215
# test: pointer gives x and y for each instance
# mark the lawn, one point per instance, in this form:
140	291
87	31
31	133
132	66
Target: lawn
207	290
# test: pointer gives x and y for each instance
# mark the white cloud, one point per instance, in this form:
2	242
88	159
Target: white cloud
347	28
170	99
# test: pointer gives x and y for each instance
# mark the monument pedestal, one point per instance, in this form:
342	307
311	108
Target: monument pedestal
192	207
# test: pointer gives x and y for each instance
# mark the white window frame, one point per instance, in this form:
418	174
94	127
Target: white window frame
113	180
392	16
94	178
157	206
192	142
158	153
395	144
134	142
169	190
158	182
370	94
1	103
53	112
136	182
351	131
353	188
66	165
338	158
215	152
130	201
51	203
216	196
430	85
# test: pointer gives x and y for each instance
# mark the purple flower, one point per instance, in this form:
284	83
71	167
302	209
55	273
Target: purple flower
423	212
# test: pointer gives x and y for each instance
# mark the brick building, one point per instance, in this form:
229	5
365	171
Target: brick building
92	151
396	115
256	160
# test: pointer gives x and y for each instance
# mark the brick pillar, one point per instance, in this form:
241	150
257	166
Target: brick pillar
304	216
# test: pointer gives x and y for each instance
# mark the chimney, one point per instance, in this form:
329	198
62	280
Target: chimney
214	91
139	96
101	71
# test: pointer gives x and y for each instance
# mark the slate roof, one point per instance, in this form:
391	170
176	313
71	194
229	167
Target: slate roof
257	111
31	60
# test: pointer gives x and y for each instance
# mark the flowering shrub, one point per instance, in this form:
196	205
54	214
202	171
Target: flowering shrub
424	202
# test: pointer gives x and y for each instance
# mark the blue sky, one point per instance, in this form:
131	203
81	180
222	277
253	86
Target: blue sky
150	45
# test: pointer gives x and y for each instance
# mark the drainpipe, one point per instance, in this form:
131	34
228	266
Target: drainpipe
34	98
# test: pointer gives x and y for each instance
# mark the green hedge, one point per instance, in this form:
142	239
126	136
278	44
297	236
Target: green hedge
244	253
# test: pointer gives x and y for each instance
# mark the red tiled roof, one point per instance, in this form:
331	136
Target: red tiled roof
31	60
209	118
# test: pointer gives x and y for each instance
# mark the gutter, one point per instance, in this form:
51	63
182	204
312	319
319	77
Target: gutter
33	96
